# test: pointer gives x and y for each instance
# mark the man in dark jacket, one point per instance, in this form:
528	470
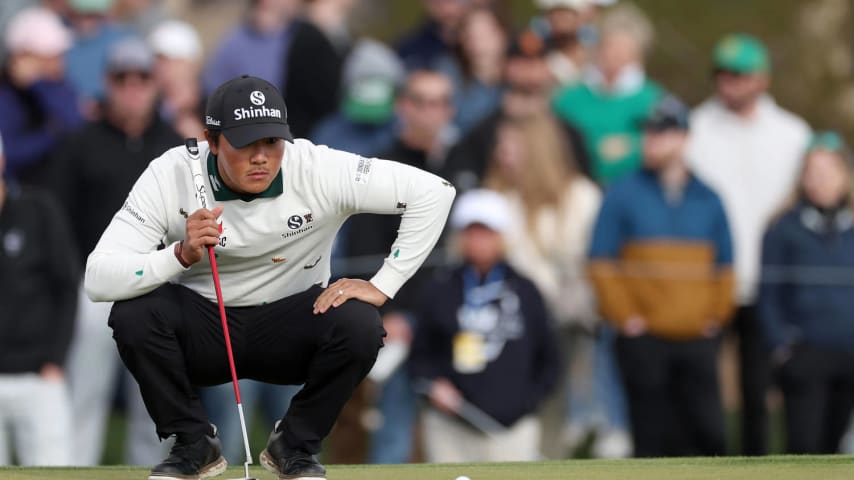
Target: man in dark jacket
320	43
37	101
484	349
91	174
435	36
38	295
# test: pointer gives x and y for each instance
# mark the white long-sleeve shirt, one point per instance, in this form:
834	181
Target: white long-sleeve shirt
276	244
753	165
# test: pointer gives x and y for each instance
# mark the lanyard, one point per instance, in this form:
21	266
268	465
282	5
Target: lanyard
476	293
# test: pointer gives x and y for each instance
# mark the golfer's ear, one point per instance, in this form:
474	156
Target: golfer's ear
212	141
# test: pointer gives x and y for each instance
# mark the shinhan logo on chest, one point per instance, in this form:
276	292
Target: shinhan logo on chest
256	112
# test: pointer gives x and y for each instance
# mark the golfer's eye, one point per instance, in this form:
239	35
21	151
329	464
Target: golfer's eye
272	141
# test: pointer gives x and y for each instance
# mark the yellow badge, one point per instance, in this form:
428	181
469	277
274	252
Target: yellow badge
615	147
469	352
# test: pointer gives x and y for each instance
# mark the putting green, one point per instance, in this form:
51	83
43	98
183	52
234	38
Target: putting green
729	468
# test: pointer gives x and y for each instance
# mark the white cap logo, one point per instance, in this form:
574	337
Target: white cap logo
257	98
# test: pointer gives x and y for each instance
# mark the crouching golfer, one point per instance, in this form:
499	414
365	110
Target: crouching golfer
280	202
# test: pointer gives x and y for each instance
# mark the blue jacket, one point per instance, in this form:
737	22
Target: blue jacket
666	260
337	132
33	121
807	290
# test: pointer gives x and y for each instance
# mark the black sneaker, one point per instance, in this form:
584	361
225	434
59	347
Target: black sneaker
289	464
192	459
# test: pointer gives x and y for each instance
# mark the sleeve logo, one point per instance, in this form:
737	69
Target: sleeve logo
363	171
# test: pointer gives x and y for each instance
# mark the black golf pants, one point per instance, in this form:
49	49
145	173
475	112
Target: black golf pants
172	341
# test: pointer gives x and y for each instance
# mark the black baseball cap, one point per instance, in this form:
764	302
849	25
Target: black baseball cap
668	114
247	109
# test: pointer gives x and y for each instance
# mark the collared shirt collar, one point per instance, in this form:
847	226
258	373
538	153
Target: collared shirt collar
629	81
765	106
221	192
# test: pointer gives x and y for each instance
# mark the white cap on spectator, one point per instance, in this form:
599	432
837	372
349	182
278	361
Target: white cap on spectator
571	4
176	39
38	31
482	207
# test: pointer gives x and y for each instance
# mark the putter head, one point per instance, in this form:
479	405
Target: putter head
246	474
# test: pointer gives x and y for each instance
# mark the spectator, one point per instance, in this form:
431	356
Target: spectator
141	16
38	105
807	296
8	10
92	173
476	66
528	86
38	287
265	31
424	110
364	123
748	149
553	208
567	54
312	83
614	96
94	35
488	334
179	54
661	262
435	36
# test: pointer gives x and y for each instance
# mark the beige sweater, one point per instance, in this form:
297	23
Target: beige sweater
554	255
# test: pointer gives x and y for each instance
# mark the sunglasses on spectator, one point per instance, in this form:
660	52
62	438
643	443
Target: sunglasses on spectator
424	101
122	77
525	90
731	73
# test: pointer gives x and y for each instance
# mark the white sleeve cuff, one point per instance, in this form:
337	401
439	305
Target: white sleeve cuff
388	281
165	265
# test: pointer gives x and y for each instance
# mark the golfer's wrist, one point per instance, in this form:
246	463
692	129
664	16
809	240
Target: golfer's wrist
178	250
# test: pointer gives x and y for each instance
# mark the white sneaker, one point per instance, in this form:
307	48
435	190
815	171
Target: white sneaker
612	444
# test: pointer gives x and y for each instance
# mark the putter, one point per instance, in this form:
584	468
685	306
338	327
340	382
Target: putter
201	196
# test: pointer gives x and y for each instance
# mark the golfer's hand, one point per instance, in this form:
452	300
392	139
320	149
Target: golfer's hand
346	288
397	328
634	327
202	230
51	372
445	396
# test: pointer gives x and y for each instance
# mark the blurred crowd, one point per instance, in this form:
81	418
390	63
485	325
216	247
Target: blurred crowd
606	243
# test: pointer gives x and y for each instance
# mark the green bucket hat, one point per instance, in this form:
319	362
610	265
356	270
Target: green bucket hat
369	100
91	6
741	53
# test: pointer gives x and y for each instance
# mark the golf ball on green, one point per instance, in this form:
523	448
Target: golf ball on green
463	477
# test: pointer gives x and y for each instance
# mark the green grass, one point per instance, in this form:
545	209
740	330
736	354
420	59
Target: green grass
756	468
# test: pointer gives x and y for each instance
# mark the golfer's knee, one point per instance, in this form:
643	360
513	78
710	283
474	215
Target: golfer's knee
128	321
136	320
362	331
